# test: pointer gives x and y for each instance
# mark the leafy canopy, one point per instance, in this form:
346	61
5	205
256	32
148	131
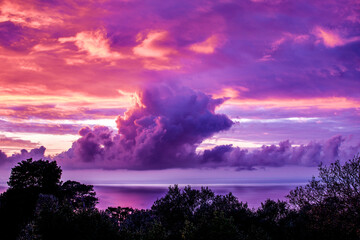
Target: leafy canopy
39	174
337	182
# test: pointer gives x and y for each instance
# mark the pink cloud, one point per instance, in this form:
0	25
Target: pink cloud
208	46
57	112
333	39
151	46
25	16
156	51
10	144
94	43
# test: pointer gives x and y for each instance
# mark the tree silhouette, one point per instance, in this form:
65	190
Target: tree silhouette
34	186
336	181
37	205
27	180
332	202
40	174
79	196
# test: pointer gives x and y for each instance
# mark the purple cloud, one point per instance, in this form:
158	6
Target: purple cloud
311	154
36	153
161	131
167	125
3	157
12	37
50	128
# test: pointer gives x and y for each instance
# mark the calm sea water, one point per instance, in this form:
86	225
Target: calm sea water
143	197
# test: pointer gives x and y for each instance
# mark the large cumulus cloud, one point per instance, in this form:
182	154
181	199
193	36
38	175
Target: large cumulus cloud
163	130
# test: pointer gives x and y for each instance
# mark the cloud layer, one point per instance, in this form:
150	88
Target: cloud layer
36	153
166	127
311	154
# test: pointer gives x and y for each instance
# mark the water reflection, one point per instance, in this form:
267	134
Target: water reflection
143	196
138	196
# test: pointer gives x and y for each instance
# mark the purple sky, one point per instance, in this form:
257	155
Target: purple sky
196	87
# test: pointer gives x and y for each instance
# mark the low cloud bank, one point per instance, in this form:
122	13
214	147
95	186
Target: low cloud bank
36	153
164	129
285	153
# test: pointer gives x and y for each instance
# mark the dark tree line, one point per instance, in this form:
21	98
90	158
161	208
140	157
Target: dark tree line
37	205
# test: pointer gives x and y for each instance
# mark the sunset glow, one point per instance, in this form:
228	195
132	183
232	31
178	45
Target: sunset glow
185	85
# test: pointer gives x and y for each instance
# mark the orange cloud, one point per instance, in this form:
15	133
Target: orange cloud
16	142
208	46
150	46
94	43
26	17
331	38
66	102
11	144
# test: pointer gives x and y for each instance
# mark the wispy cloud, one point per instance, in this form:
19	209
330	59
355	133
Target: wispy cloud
332	39
95	44
28	17
208	46
151	46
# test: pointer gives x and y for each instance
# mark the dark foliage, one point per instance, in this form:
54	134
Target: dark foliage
40	174
27	180
38	206
23	207
331	203
78	196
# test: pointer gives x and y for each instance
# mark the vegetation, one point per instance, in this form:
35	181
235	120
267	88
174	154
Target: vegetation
37	205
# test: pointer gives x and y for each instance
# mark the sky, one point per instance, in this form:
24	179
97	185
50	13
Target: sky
180	91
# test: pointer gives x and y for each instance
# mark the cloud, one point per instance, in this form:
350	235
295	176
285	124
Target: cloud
161	131
306	75
14	37
21	15
286	38
283	154
151	46
95	43
332	39
15	142
36	153
53	112
3	157
208	46
164	129
33	127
